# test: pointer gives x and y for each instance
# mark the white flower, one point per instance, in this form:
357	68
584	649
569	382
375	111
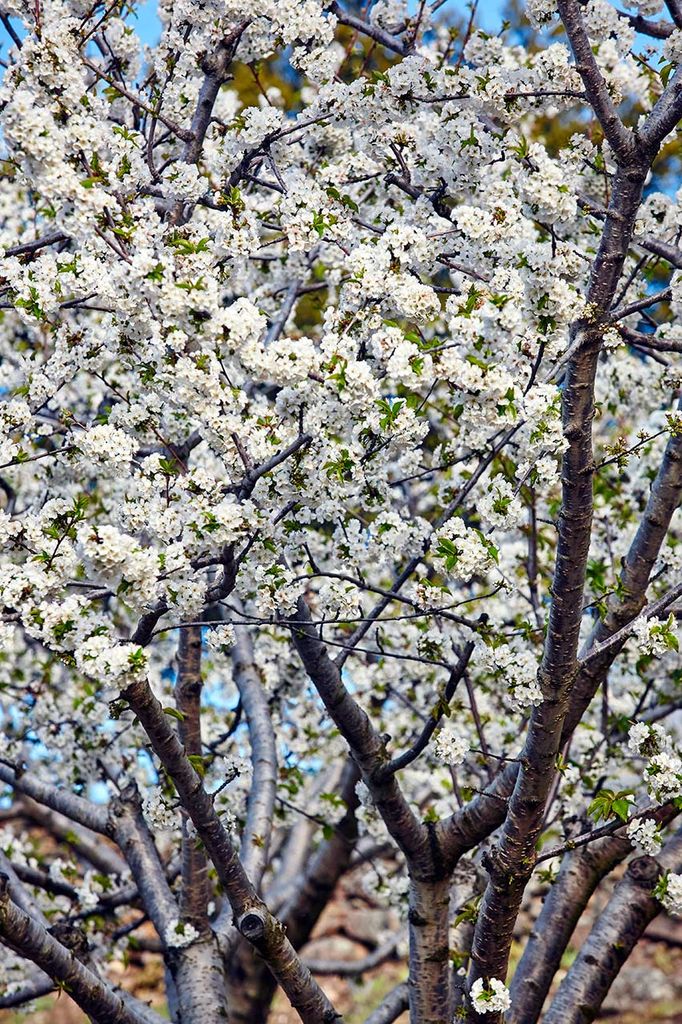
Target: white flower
516	668
655	637
491	998
665	771
647	739
159	816
184	182
612	339
449	747
643	833
648	7
672	47
106	660
500	507
9	528
388	14
462	552
221	637
103	444
8	636
90	891
414	299
540	11
637	736
180	933
669	891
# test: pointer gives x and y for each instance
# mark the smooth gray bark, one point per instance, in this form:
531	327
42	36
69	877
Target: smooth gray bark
613	937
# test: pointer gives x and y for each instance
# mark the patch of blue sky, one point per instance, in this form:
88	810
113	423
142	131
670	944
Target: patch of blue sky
147	22
13	719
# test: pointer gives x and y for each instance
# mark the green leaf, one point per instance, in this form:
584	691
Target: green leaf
174	713
621	808
197	762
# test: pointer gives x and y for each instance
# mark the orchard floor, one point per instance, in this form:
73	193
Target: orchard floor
655	970
648	990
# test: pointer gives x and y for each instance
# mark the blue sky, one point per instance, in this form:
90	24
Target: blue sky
147	22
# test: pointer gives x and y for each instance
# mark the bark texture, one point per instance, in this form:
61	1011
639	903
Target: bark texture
253	918
580	874
511	863
431	989
618	928
24	934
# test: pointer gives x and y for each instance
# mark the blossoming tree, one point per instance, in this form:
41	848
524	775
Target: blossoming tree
340	467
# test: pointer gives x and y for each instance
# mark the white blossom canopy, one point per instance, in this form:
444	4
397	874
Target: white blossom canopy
341	462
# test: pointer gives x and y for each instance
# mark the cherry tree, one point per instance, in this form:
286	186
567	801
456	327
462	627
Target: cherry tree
341	459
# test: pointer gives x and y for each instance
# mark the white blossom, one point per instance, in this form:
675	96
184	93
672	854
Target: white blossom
179	934
492	997
671	895
450	747
644	833
220	637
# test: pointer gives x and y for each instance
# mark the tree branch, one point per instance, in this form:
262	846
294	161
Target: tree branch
367	747
252	916
665	115
510	864
353	968
393	1005
372	31
639	304
216	71
618	136
137	845
654	29
261	805
482	815
74	807
581	872
32	941
39	243
251	985
406	758
18	892
613	937
664	499
188	685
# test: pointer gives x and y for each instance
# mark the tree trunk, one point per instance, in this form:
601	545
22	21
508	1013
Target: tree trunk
431	987
200	983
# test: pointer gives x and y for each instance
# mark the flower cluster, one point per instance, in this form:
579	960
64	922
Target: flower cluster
449	746
290	310
663	769
180	934
669	892
645	835
491	997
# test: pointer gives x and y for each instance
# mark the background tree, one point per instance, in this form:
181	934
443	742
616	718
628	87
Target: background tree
341	462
